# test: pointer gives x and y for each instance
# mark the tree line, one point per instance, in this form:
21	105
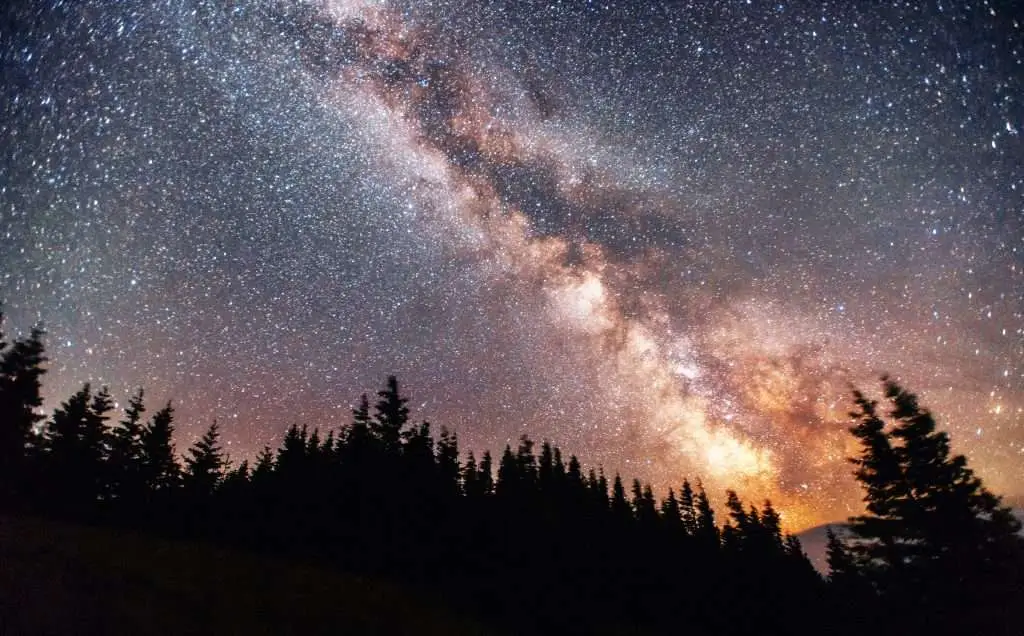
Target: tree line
532	540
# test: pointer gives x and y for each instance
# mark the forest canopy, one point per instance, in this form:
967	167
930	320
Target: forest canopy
529	538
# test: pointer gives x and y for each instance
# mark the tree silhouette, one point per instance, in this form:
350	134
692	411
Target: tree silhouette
670	513
934	552
772	525
619	505
842	569
159	469
125	442
509	480
21	370
66	457
934	540
706	531
204	464
392	416
75	443
448	462
687	509
485	475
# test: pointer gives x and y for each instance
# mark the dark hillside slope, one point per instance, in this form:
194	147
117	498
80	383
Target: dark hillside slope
58	578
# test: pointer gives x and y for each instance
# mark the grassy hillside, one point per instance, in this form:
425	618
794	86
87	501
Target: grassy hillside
63	579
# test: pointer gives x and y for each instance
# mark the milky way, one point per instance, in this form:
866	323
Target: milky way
668	236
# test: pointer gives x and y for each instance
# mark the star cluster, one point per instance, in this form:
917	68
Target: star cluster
668	236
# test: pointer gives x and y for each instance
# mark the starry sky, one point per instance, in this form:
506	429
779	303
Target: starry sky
666	235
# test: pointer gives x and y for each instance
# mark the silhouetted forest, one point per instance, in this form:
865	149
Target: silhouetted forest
529	539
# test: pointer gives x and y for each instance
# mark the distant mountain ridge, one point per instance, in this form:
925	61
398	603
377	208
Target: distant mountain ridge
814	540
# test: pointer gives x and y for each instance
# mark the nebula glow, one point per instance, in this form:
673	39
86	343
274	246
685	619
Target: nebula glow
667	237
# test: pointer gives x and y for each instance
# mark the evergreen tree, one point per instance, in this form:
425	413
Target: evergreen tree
687	509
485	475
933	540
705	530
126	451
559	469
356	437
448	462
76	448
235	485
67	456
294	451
419	454
644	505
160	470
527	464
619	505
772	525
794	549
730	538
314	447
471	478
841	566
21	370
509	481
204	464
600	491
879	471
574	475
741	521
671	514
391	418
96	444
264	469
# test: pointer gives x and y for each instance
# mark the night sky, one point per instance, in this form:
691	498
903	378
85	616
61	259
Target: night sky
667	236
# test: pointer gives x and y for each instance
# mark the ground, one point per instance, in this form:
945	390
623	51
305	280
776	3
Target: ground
58	578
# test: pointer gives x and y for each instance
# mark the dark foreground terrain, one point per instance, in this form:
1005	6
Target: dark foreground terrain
58	578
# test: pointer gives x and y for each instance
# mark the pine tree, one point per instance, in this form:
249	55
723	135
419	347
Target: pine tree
471	478
880	473
619	505
204	464
160	470
357	436
687	510
21	370
933	538
670	513
235	484
637	492
96	442
293	454
740	519
644	505
264	469
76	445
706	532
558	470
67	457
730	538
126	451
840	563
509	481
418	452
772	524
527	464
448	461
574	475
391	418
314	446
485	476
600	490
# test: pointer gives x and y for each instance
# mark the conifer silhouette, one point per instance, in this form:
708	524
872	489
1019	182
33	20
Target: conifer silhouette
21	371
